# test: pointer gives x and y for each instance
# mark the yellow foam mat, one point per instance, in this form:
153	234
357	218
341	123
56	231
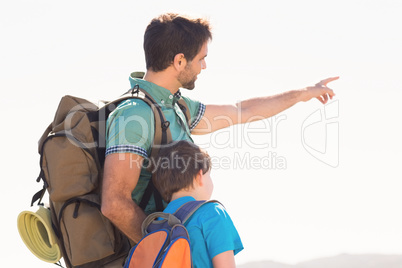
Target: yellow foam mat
36	231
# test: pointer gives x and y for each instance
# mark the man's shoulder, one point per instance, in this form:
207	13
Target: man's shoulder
131	107
190	101
133	103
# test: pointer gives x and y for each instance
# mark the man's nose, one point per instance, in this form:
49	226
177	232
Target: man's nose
203	64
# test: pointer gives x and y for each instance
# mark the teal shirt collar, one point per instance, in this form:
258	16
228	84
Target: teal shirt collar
160	94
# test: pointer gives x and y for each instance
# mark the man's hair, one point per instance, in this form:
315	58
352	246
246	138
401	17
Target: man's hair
176	167
171	34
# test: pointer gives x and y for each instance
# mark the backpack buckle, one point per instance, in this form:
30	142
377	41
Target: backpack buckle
135	90
165	125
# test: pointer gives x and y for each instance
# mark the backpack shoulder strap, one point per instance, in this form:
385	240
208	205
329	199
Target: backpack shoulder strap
187	210
160	220
186	111
162	132
162	135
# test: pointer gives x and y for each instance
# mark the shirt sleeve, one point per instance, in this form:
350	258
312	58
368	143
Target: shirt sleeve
130	130
219	231
197	110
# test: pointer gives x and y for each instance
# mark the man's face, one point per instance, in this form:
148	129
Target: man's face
193	68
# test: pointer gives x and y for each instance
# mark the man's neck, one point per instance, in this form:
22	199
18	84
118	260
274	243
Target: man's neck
163	79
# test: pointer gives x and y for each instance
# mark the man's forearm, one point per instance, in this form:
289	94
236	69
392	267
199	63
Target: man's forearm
128	217
264	107
119	180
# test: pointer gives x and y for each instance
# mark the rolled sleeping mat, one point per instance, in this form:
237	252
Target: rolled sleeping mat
36	231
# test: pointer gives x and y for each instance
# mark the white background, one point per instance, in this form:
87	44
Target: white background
339	190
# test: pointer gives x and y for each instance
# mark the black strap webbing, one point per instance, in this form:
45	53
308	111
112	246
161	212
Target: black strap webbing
147	196
158	200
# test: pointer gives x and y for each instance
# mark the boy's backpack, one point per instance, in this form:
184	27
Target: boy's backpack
165	242
72	152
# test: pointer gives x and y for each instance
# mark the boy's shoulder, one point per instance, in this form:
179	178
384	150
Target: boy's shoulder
209	211
212	206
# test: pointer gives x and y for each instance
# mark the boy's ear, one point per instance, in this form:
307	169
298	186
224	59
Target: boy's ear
199	178
179	61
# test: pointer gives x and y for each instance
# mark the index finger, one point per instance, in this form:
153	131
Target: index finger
326	81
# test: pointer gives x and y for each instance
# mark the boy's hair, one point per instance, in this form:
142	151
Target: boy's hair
171	34
176	167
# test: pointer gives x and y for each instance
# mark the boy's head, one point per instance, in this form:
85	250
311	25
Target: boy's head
171	34
178	167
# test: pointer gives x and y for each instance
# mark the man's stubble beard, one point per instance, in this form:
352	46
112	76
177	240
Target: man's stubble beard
187	79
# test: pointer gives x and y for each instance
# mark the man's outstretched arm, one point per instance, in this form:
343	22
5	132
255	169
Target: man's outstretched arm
220	116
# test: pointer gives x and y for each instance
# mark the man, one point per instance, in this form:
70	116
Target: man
175	51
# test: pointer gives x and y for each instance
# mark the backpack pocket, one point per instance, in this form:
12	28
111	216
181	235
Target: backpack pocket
70	169
86	234
178	254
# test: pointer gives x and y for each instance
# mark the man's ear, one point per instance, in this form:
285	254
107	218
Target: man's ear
179	61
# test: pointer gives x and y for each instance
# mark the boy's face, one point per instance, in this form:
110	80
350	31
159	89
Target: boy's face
208	185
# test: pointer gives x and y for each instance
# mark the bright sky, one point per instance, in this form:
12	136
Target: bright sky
314	181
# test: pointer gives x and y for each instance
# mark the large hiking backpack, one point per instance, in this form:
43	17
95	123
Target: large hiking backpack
72	152
165	242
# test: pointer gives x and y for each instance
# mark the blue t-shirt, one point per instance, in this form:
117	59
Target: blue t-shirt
211	232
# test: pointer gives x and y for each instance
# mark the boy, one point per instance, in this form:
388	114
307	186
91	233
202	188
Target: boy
182	174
